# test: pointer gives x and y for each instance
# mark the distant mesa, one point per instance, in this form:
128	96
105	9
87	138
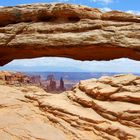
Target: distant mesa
52	84
13	78
19	79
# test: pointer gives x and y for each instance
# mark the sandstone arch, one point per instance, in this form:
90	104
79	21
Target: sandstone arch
74	31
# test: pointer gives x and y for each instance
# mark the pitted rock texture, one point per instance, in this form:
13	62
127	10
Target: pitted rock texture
96	109
64	30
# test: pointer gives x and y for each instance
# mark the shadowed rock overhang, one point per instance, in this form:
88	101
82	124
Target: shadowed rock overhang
65	30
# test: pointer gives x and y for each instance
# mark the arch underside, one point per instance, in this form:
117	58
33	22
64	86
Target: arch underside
63	30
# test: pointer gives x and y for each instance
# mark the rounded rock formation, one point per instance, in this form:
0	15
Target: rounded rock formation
65	30
96	109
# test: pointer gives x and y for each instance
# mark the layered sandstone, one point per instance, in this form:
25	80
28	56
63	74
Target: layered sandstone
64	30
96	109
14	78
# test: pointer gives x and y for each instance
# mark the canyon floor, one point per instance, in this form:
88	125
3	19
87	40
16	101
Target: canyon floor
107	108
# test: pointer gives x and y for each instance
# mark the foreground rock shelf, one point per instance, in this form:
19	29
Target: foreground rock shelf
101	109
65	30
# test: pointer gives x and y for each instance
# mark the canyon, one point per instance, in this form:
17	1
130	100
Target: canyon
19	79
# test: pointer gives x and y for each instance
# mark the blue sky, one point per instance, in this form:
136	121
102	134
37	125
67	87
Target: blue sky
65	64
124	5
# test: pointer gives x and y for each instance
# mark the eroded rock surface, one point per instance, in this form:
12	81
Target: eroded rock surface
96	109
66	30
14	78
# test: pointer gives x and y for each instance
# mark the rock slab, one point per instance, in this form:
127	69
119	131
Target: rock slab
107	108
66	30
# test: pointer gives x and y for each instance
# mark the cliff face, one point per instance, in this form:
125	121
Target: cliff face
14	78
74	31
107	108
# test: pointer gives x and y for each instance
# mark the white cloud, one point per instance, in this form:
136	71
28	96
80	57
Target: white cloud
133	12
102	1
117	65
63	0
45	61
106	9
